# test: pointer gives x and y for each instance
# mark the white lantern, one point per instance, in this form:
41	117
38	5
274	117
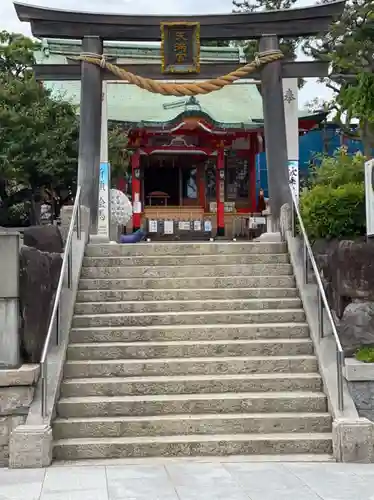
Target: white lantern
120	207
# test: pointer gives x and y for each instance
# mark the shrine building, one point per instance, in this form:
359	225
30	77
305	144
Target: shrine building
182	147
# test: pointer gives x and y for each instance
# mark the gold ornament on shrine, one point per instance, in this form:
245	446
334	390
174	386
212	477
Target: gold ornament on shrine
180	47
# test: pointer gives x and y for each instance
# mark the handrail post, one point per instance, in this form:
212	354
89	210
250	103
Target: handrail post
43	375
320	316
340	365
58	324
79	220
305	263
70	265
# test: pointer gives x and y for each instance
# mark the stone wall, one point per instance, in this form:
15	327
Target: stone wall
17	387
363	396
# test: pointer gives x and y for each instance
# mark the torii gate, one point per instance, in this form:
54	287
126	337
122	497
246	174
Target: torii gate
94	28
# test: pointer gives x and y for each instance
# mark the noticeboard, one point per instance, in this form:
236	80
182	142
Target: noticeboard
180	47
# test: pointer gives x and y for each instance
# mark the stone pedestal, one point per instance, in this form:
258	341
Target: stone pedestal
30	447
353	440
9	300
17	387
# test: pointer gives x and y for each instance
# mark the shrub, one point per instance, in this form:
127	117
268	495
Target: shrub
338	169
365	354
334	212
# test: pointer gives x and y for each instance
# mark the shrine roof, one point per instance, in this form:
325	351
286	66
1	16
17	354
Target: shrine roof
237	106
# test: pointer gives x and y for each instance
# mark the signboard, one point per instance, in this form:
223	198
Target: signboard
153	226
369	197
291	114
180	47
168	227
104	209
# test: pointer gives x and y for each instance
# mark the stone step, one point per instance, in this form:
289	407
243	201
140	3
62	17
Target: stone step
190	317
193	366
171	425
166	404
190	332
182	249
185	349
190	271
185	305
188	282
184	294
193	445
191	384
170	260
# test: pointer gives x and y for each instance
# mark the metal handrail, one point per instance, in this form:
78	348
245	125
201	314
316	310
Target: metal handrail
67	262
322	299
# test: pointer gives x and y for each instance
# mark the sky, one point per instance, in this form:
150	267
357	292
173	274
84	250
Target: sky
10	22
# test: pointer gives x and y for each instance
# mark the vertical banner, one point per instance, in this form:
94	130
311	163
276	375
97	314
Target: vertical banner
369	197
291	112
104	200
104	180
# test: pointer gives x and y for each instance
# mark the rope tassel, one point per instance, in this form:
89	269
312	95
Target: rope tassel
184	89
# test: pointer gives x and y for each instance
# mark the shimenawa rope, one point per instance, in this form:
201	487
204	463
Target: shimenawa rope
184	89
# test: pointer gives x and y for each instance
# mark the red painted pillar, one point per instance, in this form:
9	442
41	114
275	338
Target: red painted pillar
136	200
220	191
252	172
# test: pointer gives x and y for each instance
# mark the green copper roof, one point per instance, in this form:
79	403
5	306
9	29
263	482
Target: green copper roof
235	106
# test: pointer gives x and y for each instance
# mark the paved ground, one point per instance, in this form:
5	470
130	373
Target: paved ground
191	480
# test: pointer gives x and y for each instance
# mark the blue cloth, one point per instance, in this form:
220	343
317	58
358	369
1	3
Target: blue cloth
133	237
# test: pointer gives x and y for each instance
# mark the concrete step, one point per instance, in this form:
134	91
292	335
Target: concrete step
166	404
193	445
185	305
182	249
185	294
193	366
191	384
188	260
188	282
191	271
190	317
190	332
191	348
171	425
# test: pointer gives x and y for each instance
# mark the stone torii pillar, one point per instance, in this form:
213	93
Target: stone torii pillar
90	130
275	131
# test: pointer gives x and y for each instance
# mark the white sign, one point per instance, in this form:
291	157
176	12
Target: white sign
207	226
197	225
137	207
293	177
184	225
291	115
369	197
168	227
104	210
153	226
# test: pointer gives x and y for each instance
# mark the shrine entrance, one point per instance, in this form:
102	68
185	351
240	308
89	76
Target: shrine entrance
182	74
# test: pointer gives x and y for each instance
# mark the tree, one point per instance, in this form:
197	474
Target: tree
287	46
38	133
118	153
349	47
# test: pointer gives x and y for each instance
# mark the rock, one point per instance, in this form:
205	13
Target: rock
39	275
355	267
347	270
44	238
356	328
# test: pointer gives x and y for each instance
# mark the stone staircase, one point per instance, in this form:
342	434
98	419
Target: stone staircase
182	349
